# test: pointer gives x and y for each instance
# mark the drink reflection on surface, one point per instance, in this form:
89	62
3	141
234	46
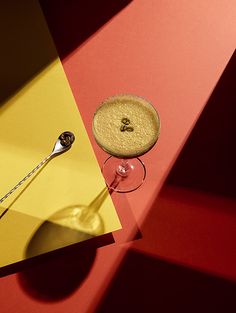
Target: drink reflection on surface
125	126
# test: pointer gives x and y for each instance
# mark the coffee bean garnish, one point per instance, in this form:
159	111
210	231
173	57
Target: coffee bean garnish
125	121
123	128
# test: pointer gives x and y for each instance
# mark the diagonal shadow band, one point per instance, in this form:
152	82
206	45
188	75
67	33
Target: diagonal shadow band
144	283
207	161
195	210
26	51
72	22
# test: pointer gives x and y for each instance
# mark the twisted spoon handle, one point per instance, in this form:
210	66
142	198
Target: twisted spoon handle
62	144
25	178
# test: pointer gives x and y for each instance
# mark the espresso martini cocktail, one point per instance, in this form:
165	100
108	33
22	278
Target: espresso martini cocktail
125	126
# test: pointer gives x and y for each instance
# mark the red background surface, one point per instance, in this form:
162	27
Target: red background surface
177	246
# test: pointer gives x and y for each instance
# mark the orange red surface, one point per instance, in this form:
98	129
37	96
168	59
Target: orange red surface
176	248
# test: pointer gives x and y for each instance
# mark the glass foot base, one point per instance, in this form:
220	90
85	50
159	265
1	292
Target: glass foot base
123	175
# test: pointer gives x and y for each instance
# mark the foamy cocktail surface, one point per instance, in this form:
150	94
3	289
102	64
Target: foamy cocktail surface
126	126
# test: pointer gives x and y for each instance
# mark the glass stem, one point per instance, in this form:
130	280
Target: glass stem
123	169
122	172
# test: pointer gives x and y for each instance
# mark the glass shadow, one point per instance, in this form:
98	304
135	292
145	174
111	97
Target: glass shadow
56	275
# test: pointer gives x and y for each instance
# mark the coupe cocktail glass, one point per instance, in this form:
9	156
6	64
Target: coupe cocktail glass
126	127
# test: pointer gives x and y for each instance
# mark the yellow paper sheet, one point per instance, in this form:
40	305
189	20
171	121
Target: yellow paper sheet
36	107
